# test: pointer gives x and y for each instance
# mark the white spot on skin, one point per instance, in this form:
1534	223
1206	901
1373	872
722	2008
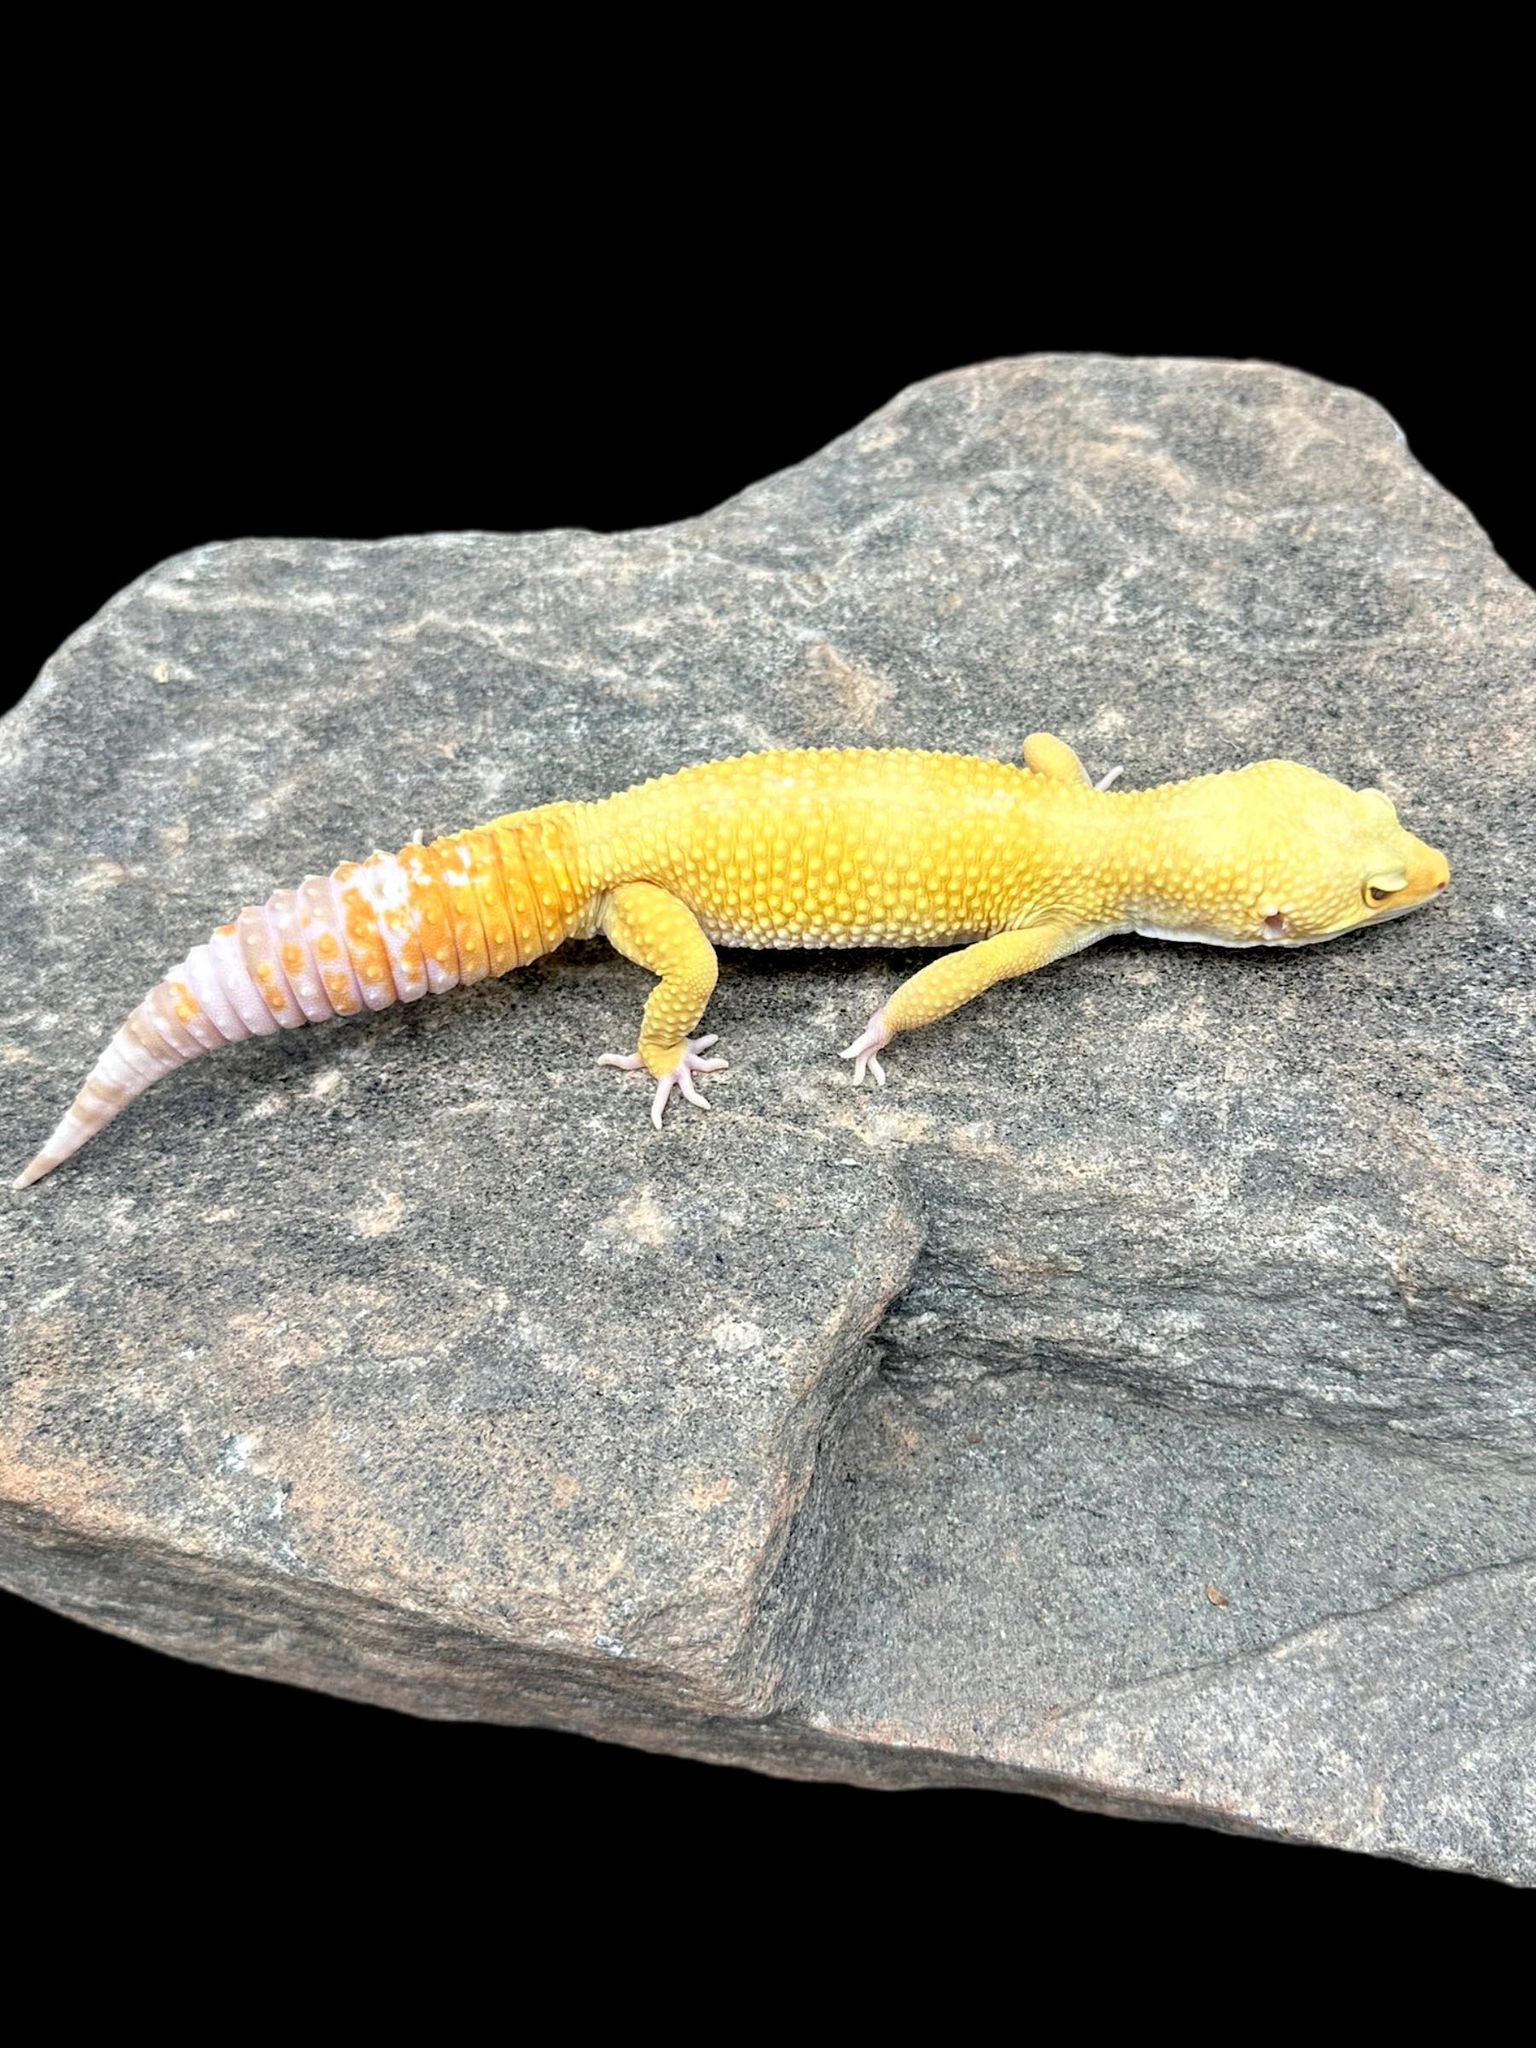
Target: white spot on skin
384	885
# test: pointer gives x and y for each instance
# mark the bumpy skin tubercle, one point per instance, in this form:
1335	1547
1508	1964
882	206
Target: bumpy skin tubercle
1017	866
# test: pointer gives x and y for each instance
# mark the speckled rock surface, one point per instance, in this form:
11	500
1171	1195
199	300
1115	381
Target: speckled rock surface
1133	1403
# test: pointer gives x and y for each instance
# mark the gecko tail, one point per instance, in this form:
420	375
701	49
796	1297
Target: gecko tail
389	929
126	1068
212	999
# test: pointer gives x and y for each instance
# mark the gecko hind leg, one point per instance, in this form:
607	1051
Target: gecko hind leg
659	932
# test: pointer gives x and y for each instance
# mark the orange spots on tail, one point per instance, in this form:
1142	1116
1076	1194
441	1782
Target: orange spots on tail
338	987
261	962
463	908
368	935
365	942
429	903
162	1005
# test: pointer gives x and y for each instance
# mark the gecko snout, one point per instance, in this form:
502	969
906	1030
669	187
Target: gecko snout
1425	871
1434	872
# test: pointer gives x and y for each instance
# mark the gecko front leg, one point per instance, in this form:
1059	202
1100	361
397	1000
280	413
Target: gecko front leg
873	1039
945	984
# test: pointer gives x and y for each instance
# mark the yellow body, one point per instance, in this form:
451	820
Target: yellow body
1018	865
1014	865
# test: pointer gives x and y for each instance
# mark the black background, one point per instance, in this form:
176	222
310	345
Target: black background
373	367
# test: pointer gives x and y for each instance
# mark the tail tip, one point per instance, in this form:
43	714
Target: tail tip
34	1171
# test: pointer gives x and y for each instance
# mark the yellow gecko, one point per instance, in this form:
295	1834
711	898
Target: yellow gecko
1017	866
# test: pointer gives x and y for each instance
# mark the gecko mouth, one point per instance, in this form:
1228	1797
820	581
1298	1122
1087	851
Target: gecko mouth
1192	935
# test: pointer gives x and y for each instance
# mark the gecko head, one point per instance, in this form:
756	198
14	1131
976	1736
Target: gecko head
1322	858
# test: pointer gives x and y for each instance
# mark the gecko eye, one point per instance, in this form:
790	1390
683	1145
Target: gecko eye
1382	886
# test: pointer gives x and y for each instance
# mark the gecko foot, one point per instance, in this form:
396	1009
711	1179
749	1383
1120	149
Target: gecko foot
1113	776
679	1077
875	1038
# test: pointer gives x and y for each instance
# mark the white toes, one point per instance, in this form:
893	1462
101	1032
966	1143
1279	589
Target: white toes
874	1038
680	1076
690	1093
1104	781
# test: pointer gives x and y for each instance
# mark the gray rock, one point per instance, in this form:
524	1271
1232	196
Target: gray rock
1132	1404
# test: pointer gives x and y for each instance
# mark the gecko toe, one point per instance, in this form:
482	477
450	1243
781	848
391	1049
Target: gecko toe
872	1040
679	1077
